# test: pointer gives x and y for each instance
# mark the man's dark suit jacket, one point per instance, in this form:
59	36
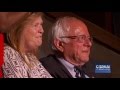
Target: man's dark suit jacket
55	67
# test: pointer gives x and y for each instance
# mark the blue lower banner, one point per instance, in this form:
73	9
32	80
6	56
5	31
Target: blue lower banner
103	68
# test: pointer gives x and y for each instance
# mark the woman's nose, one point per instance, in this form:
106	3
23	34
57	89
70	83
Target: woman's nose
41	29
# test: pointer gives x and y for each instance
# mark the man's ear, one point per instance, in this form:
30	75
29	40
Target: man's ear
58	44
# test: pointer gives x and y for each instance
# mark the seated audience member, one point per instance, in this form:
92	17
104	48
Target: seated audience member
24	38
71	44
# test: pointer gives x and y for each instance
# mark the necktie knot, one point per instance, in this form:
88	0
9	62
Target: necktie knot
79	72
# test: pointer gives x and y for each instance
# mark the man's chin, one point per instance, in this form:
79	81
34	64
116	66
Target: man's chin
86	59
82	62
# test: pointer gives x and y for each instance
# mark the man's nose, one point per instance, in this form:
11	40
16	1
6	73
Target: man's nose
88	42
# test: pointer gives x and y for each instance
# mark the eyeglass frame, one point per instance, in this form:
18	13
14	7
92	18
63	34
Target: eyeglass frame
79	38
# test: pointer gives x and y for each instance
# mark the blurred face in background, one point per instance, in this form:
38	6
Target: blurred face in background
9	18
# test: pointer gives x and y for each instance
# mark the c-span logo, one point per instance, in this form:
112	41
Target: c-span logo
103	68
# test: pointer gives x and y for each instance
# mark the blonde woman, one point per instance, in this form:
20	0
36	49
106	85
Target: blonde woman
24	38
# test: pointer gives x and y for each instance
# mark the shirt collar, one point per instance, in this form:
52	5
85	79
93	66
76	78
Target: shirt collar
68	65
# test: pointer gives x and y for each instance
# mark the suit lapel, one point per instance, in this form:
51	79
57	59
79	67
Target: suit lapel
62	68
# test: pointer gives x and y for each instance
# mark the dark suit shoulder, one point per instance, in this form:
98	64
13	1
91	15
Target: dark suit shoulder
54	67
50	63
48	59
